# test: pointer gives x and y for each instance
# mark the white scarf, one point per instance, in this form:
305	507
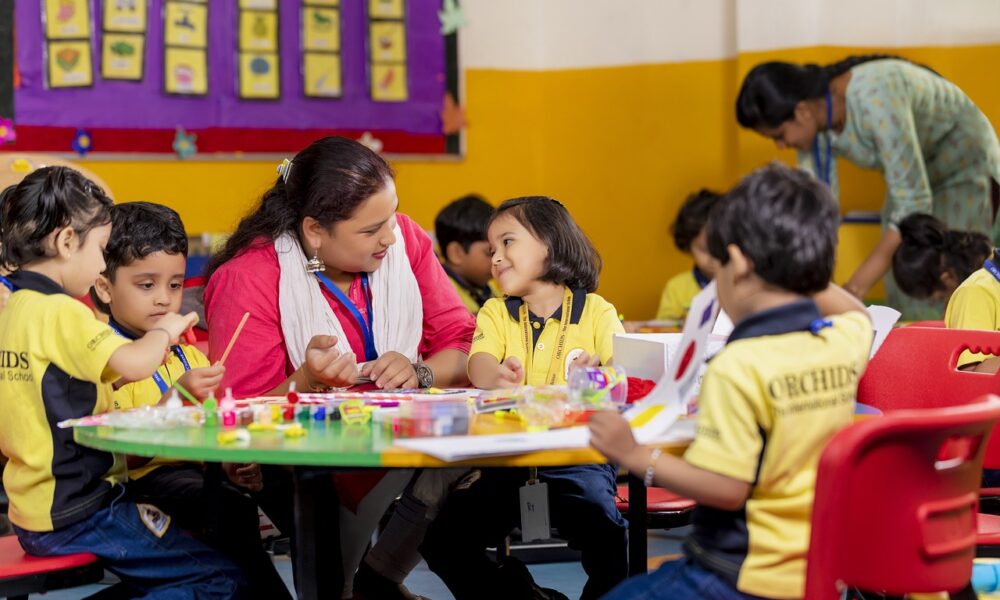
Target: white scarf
397	308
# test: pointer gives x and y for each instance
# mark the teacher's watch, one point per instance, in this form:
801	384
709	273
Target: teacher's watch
425	377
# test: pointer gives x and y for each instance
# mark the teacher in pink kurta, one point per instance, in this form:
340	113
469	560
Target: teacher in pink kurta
339	286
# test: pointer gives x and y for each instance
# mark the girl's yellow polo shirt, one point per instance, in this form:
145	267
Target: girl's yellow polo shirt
592	325
975	305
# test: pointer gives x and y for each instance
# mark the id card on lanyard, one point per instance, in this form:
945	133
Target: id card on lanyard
823	168
157	378
555	366
367	332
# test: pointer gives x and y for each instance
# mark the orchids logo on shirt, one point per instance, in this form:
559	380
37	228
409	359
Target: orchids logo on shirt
14	366
814	388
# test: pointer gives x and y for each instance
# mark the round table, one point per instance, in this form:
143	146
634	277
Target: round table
336	445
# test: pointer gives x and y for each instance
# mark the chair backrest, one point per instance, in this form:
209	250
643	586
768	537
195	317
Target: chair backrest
926	324
896	502
915	368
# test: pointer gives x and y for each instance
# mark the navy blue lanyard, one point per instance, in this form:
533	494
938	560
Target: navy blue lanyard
367	334
6	283
823	168
990	266
157	378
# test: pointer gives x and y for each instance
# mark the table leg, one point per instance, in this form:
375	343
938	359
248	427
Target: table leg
636	526
319	573
212	497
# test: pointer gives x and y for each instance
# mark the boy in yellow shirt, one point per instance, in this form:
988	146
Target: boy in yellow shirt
143	280
59	363
784	384
460	229
689	237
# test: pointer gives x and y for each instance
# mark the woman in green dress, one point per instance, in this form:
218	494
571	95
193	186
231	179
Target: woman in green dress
937	151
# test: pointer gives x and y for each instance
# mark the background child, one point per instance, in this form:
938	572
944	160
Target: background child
548	269
143	280
689	237
67	498
771	399
460	229
933	260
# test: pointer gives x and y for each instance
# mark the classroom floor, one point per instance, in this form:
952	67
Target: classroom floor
567	577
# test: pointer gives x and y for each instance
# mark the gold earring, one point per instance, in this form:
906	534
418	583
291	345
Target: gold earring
315	264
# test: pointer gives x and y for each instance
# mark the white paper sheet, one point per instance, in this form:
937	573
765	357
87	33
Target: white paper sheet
883	320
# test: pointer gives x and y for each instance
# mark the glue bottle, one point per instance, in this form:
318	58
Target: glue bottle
228	409
292	396
210	405
174	401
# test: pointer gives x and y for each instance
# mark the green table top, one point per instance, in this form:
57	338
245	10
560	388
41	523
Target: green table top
328	443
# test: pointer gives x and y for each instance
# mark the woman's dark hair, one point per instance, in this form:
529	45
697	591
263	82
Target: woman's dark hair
929	249
785	221
327	181
46	200
692	218
463	221
771	90
572	259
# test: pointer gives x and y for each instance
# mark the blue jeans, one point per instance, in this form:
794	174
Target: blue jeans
581	506
677	580
173	566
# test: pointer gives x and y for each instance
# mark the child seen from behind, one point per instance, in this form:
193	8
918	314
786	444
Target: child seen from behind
784	384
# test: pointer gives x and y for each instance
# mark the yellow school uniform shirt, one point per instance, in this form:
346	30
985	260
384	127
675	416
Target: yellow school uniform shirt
975	305
147	393
768	404
678	294
53	366
592	326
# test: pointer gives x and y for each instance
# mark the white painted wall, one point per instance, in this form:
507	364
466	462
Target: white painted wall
571	34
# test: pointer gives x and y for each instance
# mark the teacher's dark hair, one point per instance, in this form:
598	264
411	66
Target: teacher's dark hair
929	250
785	221
771	90
572	260
327	181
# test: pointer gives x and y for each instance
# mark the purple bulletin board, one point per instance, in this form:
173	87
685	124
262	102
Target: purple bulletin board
140	116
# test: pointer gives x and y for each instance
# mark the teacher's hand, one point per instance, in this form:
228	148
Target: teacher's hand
327	367
390	371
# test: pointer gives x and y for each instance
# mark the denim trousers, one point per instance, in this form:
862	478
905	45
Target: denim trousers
146	551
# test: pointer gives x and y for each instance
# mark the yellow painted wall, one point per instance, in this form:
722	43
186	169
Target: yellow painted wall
621	147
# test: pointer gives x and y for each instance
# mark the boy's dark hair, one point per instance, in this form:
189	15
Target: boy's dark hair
692	218
47	199
572	260
929	249
139	229
785	222
327	180
463	221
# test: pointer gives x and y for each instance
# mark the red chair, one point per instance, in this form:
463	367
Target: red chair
925	324
21	574
929	463
915	368
664	509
